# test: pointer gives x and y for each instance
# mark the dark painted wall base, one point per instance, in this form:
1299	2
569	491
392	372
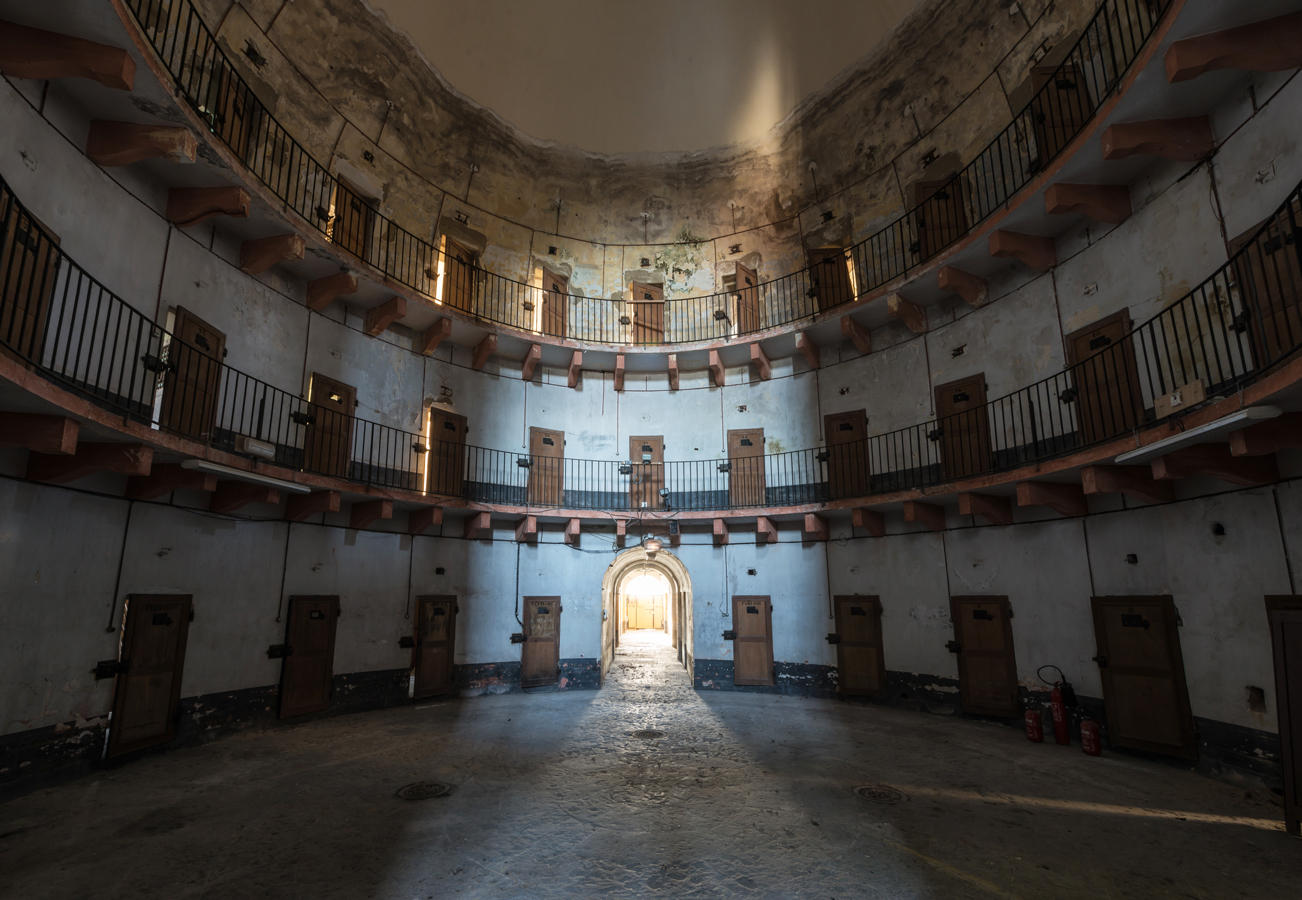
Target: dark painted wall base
475	679
798	679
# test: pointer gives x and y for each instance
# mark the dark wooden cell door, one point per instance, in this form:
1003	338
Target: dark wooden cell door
540	654
29	258
354	228
748	302
746	484
458	274
555	307
328	441
752	643
447	452
964	426
1269	279
987	666
148	683
940	215
308	672
1105	378
847	453
436	635
648	313
1142	671
547	466
829	272
647	453
235	112
194	376
1284	615
860	663
1059	111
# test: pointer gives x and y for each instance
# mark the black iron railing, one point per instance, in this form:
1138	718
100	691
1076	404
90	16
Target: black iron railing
1065	98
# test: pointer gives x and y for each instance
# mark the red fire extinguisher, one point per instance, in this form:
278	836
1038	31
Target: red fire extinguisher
1034	726
1059	697
1090	741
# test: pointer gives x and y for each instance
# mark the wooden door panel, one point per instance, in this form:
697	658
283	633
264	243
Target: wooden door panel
540	652
193	380
861	667
829	274
555	310
648	302
940	216
1284	615
1105	377
447	452
1058	112
432	657
153	654
748	303
746	482
964	426
987	665
459	265
29	261
307	673
328	439
354	226
647	454
1269	278
237	114
546	483
848	468
752	646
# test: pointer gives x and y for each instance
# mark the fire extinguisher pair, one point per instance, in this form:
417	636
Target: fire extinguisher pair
1060	697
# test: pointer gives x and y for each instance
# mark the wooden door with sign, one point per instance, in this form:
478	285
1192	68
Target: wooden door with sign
546	467
436	634
748	302
354	227
29	258
961	419
647	453
447	452
148	683
1058	111
860	664
236	112
847	453
193	377
648	313
1284	615
752	643
1142	670
940	215
987	665
1106	378
1269	279
540	654
555	304
308	671
829	273
459	263
746	484
328	439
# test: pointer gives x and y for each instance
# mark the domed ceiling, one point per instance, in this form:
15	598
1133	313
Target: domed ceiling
620	77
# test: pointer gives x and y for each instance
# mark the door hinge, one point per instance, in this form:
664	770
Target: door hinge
953	646
407	642
834	638
1101	659
518	638
730	635
107	668
279	651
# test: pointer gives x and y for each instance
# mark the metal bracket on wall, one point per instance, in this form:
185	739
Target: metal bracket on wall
518	638
730	635
279	651
108	668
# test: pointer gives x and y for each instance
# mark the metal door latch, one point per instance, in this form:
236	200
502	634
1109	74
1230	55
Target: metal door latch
953	646
407	642
107	668
518	638
279	651
1101	659
834	638
730	635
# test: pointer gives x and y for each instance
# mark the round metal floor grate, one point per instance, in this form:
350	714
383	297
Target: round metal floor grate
648	734
880	793
423	790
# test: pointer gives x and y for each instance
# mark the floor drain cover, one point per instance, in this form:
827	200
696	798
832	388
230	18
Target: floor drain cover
647	734
880	793
423	790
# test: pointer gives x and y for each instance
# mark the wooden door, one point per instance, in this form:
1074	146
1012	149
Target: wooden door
847	453
354	227
647	453
547	467
1269	279
555	307
1105	378
860	664
987	666
447	452
148	683
748	302
1142	671
752	643
328	442
829	272
648	313
746	485
193	377
940	216
459	265
235	112
29	258
540	652
964	426
1058	112
308	671
1284	615
436	634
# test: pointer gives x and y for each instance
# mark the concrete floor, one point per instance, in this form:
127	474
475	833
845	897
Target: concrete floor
554	795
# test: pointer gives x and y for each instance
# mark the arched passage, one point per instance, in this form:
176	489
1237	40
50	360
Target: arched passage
634	563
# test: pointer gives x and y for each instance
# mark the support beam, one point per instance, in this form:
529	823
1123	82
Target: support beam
1064	499
1272	45
815	528
1271	436
870	520
165	478
1133	481
260	254
760	361
576	368
483	350
121	459
993	508
621	532
530	364
423	519
673	371
911	315
1108	203
436	334
363	514
38	433
716	369
809	350
1216	460
619	372
974	291
1030	250
573	528
479	526
324	291
526	530
720	532
235	495
1186	140
857	334
301	507
675	537
765	533
122	143
189	206
384	315
927	514
32	53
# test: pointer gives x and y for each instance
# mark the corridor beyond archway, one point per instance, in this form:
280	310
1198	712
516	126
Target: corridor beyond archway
647	592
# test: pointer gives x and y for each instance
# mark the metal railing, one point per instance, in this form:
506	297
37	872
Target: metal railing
1064	100
56	318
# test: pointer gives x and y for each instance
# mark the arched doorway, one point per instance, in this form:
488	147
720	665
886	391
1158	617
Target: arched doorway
655	580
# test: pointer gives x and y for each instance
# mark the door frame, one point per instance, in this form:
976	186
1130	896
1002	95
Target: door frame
1279	606
455	605
1098	403
876	602
768	638
968	706
560	608
114	747
284	662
